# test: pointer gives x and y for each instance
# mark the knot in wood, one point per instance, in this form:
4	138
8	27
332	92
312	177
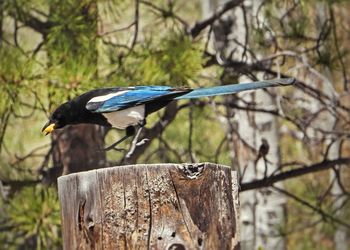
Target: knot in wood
192	171
91	225
176	246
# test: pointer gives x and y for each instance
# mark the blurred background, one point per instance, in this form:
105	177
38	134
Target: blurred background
290	146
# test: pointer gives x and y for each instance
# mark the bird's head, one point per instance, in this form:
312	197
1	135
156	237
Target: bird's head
59	118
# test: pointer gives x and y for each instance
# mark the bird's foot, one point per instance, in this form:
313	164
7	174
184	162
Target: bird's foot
135	143
143	141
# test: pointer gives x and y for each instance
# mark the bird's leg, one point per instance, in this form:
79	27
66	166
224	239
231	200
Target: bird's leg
135	141
130	131
139	143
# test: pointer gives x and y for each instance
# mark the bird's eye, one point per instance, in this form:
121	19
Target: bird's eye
56	117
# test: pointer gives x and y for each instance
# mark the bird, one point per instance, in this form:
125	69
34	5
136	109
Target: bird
126	108
263	151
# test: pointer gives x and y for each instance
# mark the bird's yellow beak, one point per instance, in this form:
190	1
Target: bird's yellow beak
48	128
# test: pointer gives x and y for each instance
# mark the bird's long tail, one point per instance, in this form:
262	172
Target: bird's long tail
235	88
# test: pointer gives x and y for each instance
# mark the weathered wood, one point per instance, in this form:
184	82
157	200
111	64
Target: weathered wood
160	206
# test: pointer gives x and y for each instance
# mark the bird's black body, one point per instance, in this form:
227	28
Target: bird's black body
78	110
128	107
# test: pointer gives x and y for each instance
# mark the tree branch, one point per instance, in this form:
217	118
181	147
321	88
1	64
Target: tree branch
201	25
324	214
270	180
29	20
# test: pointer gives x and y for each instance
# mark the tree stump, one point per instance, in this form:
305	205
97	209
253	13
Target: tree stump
156	206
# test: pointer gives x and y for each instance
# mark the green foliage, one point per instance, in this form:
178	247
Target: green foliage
71	45
75	26
15	70
34	214
15	66
173	60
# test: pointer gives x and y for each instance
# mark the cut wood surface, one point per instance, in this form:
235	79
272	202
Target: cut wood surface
157	206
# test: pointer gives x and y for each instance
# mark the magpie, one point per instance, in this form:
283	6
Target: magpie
127	107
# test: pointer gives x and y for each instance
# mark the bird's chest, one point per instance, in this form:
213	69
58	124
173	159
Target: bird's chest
127	117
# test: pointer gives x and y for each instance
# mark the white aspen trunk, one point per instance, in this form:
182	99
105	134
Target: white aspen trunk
271	205
262	211
249	199
270	208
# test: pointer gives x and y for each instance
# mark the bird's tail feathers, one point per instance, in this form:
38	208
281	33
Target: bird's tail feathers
235	88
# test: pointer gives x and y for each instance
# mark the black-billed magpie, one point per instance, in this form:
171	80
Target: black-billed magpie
128	107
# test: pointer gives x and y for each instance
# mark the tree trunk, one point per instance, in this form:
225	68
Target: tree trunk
79	148
160	206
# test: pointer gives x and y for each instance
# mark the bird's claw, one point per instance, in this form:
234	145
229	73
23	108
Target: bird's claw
143	141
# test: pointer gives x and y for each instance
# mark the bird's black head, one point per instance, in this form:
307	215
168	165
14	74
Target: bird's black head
61	117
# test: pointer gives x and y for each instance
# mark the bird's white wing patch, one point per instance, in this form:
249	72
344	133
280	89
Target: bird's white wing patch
103	98
127	117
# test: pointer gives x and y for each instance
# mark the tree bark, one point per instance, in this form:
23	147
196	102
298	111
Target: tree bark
79	148
159	206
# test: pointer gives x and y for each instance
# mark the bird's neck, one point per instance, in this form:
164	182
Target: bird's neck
82	115
93	118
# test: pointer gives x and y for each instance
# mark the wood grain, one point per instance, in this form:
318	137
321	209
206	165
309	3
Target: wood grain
159	206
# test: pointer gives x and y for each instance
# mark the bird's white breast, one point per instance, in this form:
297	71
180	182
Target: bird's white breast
127	117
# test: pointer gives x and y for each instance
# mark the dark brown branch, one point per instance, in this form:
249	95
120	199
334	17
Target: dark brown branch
165	13
17	185
269	181
33	22
116	30
314	208
201	25
136	32
32	153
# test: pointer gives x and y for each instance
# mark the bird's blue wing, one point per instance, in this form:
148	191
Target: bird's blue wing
128	97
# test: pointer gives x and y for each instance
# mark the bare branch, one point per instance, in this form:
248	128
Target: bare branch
201	25
324	214
270	180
